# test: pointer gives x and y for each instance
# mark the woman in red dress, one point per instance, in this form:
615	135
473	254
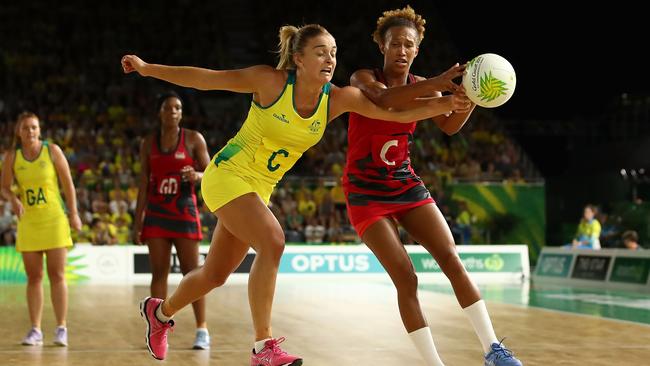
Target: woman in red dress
173	159
383	190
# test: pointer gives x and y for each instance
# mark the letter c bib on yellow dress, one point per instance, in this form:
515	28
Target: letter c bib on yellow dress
269	143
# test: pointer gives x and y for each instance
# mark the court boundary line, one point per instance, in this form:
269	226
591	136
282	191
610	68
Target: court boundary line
550	310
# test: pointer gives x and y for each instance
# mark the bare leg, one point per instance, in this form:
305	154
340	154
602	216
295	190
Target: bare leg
225	255
160	252
244	220
429	228
188	256
33	262
382	238
267	238
56	260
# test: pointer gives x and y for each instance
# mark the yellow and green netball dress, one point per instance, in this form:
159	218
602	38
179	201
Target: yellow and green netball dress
44	224
269	143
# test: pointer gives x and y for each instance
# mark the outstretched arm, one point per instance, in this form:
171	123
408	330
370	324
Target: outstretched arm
351	99
452	123
246	80
401	97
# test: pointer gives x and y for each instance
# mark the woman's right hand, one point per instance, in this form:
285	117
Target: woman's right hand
17	207
137	232
131	63
445	81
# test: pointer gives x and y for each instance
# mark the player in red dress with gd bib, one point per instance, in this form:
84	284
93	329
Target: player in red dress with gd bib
173	159
382	188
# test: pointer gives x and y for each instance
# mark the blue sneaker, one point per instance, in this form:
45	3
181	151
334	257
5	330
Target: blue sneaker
202	339
501	356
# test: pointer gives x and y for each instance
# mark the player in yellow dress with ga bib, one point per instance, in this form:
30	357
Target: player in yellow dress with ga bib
292	105
43	228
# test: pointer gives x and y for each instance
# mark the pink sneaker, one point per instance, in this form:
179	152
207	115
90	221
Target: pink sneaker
273	355
156	336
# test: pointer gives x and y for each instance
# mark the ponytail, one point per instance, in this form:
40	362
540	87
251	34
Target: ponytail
285	47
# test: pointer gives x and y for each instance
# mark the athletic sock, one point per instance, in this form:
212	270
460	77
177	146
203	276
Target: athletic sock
423	341
480	319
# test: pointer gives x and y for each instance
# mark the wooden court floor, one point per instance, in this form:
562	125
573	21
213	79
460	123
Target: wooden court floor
343	321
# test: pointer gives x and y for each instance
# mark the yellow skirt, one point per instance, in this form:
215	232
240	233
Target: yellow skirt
222	184
36	234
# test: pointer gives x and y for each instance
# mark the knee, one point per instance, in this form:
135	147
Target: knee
451	265
35	277
273	247
56	277
187	268
215	279
407	283
159	273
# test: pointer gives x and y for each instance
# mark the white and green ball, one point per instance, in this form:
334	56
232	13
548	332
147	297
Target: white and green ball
489	80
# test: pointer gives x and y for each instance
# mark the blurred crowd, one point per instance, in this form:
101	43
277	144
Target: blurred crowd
66	70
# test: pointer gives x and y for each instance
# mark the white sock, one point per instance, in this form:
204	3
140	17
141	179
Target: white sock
202	330
259	345
423	341
162	317
480	319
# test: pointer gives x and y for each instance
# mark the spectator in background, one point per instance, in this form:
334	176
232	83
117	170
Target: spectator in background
631	240
320	192
6	220
326	206
118	199
295	225
464	223
314	231
7	224
610	230
588	234
338	196
122	230
132	194
122	213
102	233
307	205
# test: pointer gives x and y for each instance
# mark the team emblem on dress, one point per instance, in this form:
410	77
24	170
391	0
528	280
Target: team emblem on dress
168	186
315	126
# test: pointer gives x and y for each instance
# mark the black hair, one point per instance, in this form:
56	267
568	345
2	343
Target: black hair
162	97
630	235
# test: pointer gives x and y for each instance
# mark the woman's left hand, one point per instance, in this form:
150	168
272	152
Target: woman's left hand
188	174
75	222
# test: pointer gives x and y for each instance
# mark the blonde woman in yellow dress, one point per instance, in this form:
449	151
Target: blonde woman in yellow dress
291	107
43	228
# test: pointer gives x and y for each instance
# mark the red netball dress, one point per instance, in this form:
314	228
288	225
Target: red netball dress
378	178
171	210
